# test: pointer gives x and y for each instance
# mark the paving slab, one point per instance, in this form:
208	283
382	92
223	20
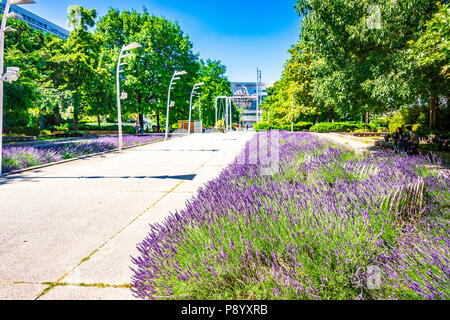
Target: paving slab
20	291
358	146
88	293
113	261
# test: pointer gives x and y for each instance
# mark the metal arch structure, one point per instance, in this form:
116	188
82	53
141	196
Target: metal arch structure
240	98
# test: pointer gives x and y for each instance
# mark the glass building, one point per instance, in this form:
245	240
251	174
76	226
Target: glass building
249	116
37	22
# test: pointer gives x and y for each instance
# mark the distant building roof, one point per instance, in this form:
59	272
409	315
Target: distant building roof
37	22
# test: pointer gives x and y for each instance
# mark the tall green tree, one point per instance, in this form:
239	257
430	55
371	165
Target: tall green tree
430	54
361	53
165	49
75	61
296	83
212	74
22	49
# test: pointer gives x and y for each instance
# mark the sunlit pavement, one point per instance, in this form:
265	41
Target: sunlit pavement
68	231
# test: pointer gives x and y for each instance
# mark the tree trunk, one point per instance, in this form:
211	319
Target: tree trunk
140	115
433	106
41	121
158	126
330	114
76	110
367	119
141	120
99	121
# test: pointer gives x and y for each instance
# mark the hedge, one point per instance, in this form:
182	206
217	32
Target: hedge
265	126
341	127
86	127
27	131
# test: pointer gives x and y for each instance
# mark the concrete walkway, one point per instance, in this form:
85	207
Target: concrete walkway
68	231
359	145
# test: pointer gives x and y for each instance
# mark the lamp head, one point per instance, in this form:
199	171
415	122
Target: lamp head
200	84
132	46
13	15
22	2
180	73
9	29
126	55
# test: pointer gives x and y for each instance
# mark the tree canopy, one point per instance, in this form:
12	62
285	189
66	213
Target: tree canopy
80	74
357	56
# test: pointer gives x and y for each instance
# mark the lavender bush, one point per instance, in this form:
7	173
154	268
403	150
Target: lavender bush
311	231
15	157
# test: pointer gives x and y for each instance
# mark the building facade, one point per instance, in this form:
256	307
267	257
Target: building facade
249	116
37	22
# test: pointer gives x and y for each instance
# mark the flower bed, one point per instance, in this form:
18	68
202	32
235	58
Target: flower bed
21	157
312	231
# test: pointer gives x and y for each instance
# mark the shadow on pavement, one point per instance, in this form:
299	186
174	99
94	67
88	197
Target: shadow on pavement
188	177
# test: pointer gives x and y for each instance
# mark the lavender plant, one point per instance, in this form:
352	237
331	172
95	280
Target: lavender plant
16	158
311	231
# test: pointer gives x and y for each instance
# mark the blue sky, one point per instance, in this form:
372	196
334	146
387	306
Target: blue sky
243	34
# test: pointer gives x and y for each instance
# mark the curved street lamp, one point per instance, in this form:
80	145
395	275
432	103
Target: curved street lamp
175	77
196	86
12	73
120	95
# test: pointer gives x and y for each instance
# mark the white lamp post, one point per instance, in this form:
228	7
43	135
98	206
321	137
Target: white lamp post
292	114
215	108
258	81
12	73
121	96
200	112
175	77
215	105
196	86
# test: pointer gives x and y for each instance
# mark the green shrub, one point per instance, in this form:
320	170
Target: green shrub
397	121
23	131
301	126
110	127
45	133
61	127
266	126
337	126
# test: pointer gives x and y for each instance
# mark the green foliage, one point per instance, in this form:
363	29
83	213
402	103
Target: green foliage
81	18
220	125
165	49
291	98
45	133
341	127
212	74
79	75
27	131
432	49
22	49
266	126
358	57
397	121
